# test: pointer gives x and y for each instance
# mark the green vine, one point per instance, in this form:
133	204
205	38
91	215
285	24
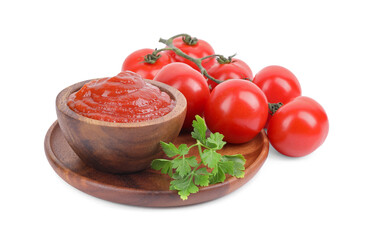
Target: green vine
197	61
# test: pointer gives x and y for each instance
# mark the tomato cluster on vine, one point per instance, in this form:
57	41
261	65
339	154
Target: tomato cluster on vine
232	100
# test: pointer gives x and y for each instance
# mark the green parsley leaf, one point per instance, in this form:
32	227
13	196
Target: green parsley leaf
227	167
183	149
202	177
175	177
166	166
199	129
183	165
215	141
210	158
238	164
185	186
169	149
217	176
233	165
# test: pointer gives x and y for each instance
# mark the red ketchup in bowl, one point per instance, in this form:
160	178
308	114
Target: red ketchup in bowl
125	98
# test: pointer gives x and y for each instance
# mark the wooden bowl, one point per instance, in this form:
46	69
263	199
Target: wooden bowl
119	147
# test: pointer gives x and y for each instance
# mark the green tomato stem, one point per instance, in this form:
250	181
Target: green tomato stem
211	56
157	51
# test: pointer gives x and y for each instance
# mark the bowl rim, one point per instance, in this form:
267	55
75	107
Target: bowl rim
175	94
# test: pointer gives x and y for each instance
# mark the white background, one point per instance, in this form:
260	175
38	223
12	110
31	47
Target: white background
48	45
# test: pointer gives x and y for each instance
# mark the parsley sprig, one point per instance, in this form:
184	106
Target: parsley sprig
187	173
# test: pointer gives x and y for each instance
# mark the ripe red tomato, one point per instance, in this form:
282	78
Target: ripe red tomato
298	128
135	62
236	69
278	85
189	82
237	109
198	50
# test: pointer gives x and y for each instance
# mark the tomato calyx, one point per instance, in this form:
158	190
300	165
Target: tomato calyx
223	60
151	58
154	56
228	60
273	107
191	41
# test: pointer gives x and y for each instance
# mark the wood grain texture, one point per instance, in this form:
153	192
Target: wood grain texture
146	188
119	147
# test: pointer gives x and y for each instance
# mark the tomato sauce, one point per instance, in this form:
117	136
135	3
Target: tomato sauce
124	98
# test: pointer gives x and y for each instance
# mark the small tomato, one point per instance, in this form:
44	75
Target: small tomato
137	62
189	82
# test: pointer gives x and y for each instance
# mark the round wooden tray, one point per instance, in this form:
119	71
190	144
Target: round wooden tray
147	188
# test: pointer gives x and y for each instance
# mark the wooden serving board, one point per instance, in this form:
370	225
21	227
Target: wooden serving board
147	188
